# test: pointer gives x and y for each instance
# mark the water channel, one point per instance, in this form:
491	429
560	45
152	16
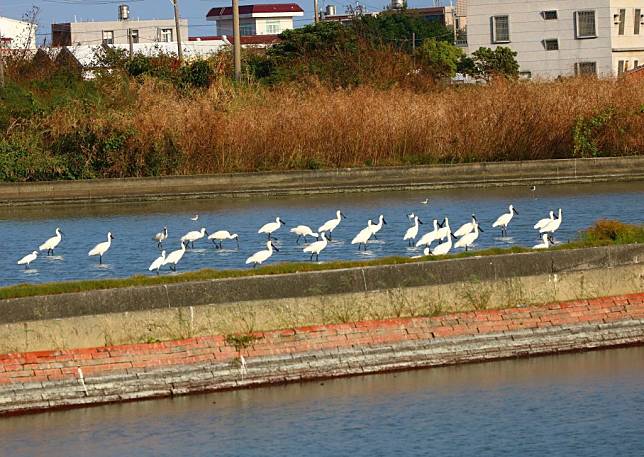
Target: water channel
586	404
23	229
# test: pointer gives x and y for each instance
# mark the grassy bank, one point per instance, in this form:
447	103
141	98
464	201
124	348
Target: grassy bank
602	233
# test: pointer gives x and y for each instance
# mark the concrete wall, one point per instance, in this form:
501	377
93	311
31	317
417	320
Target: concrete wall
327	181
54	379
22	34
91	33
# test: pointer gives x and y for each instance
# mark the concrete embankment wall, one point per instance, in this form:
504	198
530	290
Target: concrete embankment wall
328	181
50	379
174	311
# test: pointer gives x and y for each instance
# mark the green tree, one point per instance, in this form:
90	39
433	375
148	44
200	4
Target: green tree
488	63
439	58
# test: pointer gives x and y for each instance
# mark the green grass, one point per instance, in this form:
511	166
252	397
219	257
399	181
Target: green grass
602	233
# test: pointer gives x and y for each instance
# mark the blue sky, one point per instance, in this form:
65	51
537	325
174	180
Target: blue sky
193	10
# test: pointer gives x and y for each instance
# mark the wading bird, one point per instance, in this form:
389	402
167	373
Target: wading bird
195	217
174	257
101	248
317	247
412	232
545	221
547	242
271	227
302	231
329	226
428	238
466	228
553	225
220	235
445	247
161	237
52	242
444	231
363	235
468	239
262	256
425	202
504	220
375	228
191	237
158	262
26	260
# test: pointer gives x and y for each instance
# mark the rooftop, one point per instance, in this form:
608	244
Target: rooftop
263	9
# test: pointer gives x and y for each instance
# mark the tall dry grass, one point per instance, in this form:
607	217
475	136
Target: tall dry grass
227	129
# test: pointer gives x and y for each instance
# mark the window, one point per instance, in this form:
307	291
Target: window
273	27
586	69
500	29
621	67
636	63
165	35
638	21
551	44
108	36
550	15
622	19
135	36
246	29
585	22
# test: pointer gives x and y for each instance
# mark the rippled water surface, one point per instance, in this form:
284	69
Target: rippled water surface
134	224
568	405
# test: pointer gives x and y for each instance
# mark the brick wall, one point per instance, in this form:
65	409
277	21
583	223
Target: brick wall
48	379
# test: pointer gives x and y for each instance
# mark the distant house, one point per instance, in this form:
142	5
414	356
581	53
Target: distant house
264	19
16	34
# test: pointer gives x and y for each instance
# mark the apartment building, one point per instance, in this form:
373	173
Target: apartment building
16	34
561	37
262	19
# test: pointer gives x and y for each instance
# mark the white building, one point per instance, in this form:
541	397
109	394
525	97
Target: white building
264	19
17	34
561	37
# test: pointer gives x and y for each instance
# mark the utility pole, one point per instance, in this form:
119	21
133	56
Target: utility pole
316	11
237	40
178	27
130	42
1	65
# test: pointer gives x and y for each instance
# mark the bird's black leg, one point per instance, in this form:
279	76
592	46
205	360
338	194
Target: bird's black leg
297	241
317	257
311	259
100	259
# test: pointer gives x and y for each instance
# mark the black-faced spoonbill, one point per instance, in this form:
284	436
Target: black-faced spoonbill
428	238
101	248
445	247
52	242
468	239
158	262
412	232
302	231
161	237
191	237
545	221
26	260
261	256
271	227
329	226
317	247
466	228
363	235
174	257
444	231
553	225
220	235
547	242
375	228
195	217
504	220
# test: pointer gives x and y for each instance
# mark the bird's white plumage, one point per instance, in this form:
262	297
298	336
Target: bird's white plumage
428	238
468	239
175	256
158	262
194	235
426	252
545	221
52	242
443	248
101	248
162	235
271	227
553	225
221	235
261	256
465	228
412	232
317	246
545	244
304	230
444	231
26	260
375	228
504	219
363	235
331	224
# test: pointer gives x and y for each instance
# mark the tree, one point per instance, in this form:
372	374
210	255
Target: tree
487	63
439	58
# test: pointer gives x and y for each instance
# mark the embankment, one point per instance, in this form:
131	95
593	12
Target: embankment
54	379
490	174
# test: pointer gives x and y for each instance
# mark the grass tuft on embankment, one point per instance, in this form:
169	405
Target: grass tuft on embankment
602	233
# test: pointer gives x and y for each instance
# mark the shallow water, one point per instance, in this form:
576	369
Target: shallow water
587	404
134	224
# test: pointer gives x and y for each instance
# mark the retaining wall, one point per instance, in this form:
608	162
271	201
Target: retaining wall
54	379
327	181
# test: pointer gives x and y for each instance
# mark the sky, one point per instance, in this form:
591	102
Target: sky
51	11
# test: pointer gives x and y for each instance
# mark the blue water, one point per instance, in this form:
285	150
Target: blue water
567	405
134	224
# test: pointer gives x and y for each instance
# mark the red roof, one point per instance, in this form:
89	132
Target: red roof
256	9
245	39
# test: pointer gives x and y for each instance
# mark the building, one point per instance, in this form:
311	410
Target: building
93	33
16	34
561	38
265	19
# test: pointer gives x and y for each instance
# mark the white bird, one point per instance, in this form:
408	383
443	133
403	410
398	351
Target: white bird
554	225
52	242
443	248
195	217
363	235
271	227
158	262
425	202
411	216
545	221
101	248
174	257
191	237
329	226
412	232
26	260
428	238
468	239
375	228
466	228
161	236
303	231
426	252
221	235
261	256
317	247
504	219
444	231
547	240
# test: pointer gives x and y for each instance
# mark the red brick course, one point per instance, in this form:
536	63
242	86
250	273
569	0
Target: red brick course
58	365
